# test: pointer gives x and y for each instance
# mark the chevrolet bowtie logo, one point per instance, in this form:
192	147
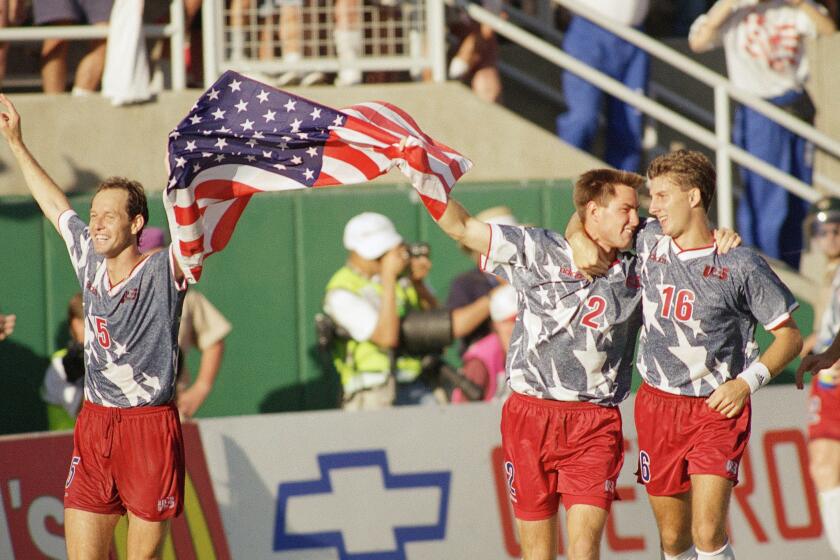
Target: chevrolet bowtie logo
361	508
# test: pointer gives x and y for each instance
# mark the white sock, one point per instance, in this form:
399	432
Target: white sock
689	554
723	553
348	47
830	512
458	68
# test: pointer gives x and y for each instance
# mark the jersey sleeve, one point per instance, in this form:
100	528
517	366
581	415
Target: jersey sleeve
76	237
519	247
647	235
769	300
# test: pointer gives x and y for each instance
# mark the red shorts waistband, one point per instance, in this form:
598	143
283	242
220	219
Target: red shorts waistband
564	405
127	411
648	388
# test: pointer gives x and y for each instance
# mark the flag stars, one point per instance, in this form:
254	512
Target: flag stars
296	125
172	182
224	130
251	143
206	154
290	105
241	106
251	158
312	151
266	154
180	162
221	143
279	167
196	168
309	174
207	132
234	85
190	145
339	120
303	135
174	134
219	114
195	119
259	135
262	96
296	160
269	115
315	114
219	157
213	94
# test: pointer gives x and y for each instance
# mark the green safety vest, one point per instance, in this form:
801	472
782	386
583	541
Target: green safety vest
363	365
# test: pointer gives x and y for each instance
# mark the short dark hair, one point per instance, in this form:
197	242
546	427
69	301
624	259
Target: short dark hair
136	204
687	169
598	185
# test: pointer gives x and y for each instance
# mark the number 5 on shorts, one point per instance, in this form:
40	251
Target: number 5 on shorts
75	461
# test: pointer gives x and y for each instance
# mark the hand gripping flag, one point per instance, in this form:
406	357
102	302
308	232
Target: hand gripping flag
243	137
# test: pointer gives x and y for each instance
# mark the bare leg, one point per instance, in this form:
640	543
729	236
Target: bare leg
88	535
89	72
4	47
538	539
54	63
145	538
586	525
709	505
824	455
673	518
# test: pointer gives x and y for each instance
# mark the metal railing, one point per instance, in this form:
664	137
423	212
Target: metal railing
718	139
174	31
410	36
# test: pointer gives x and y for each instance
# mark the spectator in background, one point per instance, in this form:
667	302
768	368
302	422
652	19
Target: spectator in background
11	14
202	326
64	382
765	55
824	401
54	51
617	58
476	59
367	298
469	293
484	360
349	41
7	325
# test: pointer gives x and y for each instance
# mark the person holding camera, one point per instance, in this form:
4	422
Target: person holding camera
64	382
367	298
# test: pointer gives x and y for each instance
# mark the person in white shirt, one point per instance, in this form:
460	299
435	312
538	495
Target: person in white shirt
764	43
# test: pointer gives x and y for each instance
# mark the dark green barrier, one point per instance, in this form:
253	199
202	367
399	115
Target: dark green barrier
269	283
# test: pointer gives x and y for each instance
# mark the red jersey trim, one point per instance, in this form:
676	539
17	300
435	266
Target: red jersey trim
137	267
694	252
781	319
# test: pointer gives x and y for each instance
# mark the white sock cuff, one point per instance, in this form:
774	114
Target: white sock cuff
723	553
689	554
830	496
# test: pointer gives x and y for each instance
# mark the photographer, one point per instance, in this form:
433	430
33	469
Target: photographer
367	298
64	381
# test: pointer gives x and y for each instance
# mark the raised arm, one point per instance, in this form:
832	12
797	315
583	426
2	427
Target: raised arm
458	224
822	20
818	362
702	36
46	193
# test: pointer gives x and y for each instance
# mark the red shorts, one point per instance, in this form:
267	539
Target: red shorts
680	436
127	459
554	448
824	410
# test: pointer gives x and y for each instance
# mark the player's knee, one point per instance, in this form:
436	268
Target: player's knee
824	474
674	540
708	535
583	549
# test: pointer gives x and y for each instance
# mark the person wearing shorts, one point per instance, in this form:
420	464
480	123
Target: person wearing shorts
569	362
128	452
698	357
54	51
824	400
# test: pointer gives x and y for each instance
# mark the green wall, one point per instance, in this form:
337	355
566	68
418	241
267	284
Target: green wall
269	283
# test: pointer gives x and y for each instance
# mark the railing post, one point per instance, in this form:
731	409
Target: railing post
725	213
211	39
177	43
436	38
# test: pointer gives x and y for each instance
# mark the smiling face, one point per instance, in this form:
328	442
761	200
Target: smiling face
671	205
614	225
111	228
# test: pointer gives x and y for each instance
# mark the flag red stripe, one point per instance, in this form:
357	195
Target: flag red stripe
224	228
223	189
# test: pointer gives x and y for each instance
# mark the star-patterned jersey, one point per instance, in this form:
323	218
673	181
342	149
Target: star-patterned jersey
830	320
131	329
573	339
700	310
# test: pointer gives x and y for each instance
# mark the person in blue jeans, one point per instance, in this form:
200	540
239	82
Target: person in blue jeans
617	58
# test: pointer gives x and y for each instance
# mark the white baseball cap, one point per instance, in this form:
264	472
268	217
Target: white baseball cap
503	303
371	235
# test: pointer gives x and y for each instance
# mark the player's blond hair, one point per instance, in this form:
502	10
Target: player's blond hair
687	169
598	185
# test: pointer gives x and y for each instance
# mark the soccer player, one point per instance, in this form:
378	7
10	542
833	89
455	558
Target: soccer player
569	362
127	446
824	401
698	357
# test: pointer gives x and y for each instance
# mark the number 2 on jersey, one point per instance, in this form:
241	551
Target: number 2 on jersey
102	334
682	305
597	305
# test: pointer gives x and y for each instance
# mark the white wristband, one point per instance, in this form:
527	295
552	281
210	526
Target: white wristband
756	376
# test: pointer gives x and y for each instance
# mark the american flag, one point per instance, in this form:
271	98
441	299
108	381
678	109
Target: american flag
243	137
